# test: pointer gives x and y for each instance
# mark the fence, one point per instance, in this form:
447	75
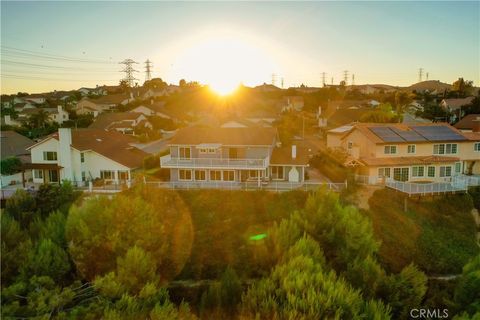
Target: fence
277	186
425	188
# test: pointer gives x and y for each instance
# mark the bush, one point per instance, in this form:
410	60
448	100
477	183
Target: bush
10	165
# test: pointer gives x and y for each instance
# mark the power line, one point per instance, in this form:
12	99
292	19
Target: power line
20	63
8	76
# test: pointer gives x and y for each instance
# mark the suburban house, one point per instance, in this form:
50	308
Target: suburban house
290	103
57	115
469	123
205	156
15	145
419	152
124	122
83	155
101	104
35	98
153	109
455	105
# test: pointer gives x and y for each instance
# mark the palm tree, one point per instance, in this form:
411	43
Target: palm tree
39	119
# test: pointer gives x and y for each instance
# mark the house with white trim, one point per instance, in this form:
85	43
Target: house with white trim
201	156
420	152
82	155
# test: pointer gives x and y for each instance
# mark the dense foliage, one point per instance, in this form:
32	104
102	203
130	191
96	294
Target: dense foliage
10	165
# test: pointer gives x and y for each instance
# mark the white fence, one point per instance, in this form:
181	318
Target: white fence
169	162
250	185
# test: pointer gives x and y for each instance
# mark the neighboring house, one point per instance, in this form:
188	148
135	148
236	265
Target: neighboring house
469	123
58	115
83	155
202	156
153	109
415	106
19	107
124	122
7	101
101	104
15	145
85	91
344	116
455	106
157	92
267	88
35	98
9	121
374	103
420	152
290	103
238	123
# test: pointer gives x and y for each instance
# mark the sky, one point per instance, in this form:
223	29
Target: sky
68	45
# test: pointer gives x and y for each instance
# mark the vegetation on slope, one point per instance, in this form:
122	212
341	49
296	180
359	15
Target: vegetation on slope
437	234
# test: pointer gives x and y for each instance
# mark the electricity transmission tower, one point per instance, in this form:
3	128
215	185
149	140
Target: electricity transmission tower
353	79
129	77
148	70
323	79
345	76
274	78
420	74
282	82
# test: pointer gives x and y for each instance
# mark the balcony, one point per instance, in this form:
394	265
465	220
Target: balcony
214	163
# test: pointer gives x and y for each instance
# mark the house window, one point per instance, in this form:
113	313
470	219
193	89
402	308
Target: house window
184	174
215	175
38	174
383	172
253	174
122	174
445	171
458	167
476	147
211	150
445	148
431	172
400	174
185	152
49	155
200	175
82	157
228	175
84	177
418	171
203	150
277	173
390	149
107	174
411	148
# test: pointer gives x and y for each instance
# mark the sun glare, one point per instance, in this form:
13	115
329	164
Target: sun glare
224	62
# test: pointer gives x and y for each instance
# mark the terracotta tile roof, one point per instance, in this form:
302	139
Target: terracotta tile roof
421	160
226	136
283	155
472	136
110	99
467	121
110	144
107	120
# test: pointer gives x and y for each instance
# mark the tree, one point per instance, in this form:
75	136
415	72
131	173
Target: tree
102	230
383	114
467	291
10	165
39	119
21	207
182	83
462	87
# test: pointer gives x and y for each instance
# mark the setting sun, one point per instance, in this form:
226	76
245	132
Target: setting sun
223	62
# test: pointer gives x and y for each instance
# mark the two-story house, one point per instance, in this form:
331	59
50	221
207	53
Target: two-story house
204	155
432	152
85	154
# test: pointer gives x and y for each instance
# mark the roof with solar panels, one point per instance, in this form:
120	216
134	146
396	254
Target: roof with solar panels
384	133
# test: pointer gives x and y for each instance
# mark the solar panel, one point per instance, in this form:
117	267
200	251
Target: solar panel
438	133
408	135
386	134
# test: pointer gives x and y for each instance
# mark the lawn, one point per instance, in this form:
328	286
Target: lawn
436	233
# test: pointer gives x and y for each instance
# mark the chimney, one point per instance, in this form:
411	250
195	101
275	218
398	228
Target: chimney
59	109
65	153
476	125
294	151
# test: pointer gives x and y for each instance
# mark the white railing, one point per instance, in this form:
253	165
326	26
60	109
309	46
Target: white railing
220	163
469	181
425	188
277	186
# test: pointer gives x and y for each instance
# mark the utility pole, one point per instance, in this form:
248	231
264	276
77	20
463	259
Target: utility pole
129	71
427	75
332	81
148	70
274	78
345	76
282	82
323	79
420	74
353	79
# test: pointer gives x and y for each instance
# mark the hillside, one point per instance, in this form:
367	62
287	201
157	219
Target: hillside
430	85
437	234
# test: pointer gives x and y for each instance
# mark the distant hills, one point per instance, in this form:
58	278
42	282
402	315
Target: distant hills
430	85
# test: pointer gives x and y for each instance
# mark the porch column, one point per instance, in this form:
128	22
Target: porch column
259	178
